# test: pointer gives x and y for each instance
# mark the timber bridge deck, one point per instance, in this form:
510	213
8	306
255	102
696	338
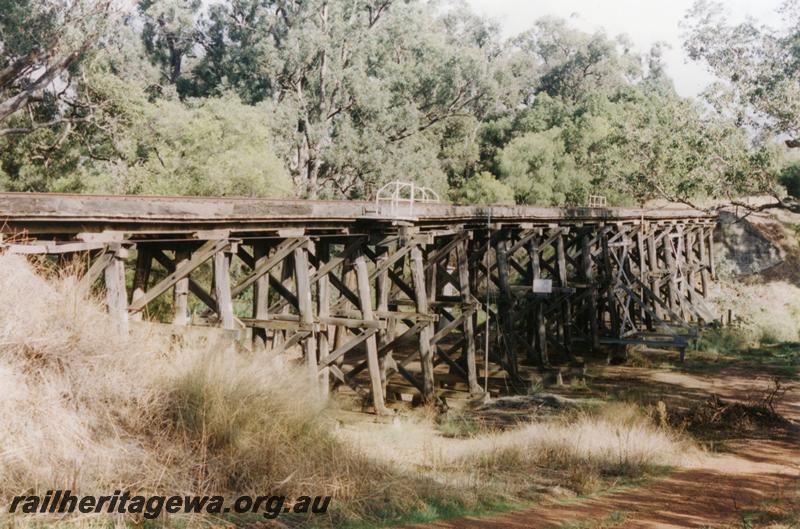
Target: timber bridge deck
429	297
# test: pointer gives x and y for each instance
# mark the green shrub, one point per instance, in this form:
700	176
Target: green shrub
790	179
723	340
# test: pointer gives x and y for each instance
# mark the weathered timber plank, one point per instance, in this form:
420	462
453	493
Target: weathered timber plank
180	300
279	254
96	270
323	258
260	294
141	275
343	349
116	296
306	308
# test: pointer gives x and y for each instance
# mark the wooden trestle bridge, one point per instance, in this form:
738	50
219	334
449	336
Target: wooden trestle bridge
429	296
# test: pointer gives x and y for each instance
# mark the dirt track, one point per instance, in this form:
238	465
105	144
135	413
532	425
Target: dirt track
714	493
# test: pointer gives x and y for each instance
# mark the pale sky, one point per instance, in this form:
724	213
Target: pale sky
644	21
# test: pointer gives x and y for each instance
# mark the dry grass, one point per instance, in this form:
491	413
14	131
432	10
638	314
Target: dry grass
85	408
582	451
585	449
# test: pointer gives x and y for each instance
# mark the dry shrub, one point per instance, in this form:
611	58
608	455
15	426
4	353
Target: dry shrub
71	391
716	418
715	342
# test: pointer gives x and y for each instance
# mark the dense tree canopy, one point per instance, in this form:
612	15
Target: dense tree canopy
333	98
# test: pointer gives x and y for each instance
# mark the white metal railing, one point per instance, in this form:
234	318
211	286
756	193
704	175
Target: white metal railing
597	201
401	197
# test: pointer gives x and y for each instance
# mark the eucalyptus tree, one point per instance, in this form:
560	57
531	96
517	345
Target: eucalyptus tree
43	100
360	91
573	63
40	40
169	33
600	118
758	67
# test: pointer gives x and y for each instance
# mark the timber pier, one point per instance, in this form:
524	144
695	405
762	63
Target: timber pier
383	295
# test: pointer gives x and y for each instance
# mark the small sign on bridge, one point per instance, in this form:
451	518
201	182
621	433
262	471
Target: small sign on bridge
542	286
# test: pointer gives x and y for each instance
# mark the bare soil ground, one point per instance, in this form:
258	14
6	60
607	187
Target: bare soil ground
720	491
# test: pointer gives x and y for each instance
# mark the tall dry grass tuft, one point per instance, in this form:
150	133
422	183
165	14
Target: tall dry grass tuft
71	395
617	442
253	426
87	409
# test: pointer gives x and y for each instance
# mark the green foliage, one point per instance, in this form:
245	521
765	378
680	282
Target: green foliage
483	188
335	98
757	65
360	93
168	33
790	179
575	63
214	146
632	144
540	171
595	121
41	44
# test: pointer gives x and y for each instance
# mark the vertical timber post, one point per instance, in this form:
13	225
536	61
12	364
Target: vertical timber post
669	260
640	251
540	326
222	287
608	274
588	275
116	295
260	296
680	269
467	301
324	310
690	260
382	288
505	305
304	301
562	281
141	276
426	333
180	296
652	259
365	300
704	267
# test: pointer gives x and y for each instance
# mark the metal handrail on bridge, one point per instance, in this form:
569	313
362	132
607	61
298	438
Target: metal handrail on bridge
405	194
